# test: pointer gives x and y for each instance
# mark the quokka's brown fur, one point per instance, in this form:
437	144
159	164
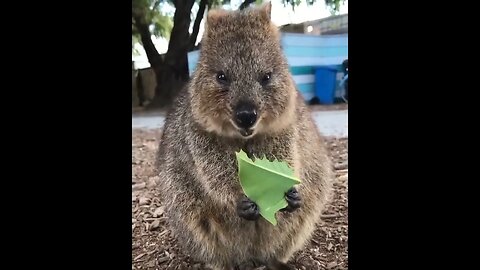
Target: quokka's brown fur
196	159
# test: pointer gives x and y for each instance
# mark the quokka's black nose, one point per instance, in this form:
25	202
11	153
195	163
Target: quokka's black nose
245	115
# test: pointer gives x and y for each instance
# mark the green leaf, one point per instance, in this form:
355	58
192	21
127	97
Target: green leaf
265	183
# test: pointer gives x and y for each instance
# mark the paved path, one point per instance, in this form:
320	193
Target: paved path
330	123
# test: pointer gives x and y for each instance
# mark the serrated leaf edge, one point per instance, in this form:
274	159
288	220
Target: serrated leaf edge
242	155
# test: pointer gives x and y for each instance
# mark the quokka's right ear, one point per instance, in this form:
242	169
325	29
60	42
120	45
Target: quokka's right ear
266	10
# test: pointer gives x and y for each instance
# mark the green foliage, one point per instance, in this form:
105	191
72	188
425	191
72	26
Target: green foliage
135	39
149	13
265	183
162	25
333	5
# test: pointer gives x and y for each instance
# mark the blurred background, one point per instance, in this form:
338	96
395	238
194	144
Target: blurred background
167	34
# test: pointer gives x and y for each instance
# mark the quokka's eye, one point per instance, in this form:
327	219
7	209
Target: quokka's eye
266	78
221	77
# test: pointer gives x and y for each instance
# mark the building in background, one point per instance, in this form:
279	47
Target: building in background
332	25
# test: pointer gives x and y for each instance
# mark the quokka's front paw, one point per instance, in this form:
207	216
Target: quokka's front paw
293	199
247	209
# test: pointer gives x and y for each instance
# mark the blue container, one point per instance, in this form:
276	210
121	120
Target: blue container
325	84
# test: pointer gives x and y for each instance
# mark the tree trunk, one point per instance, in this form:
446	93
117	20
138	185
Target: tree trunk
146	37
173	73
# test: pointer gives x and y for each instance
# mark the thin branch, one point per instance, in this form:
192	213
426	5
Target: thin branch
196	25
245	4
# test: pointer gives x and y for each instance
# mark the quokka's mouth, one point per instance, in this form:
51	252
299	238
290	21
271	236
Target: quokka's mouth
246	132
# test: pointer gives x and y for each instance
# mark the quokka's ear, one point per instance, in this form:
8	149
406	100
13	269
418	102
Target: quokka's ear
266	10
